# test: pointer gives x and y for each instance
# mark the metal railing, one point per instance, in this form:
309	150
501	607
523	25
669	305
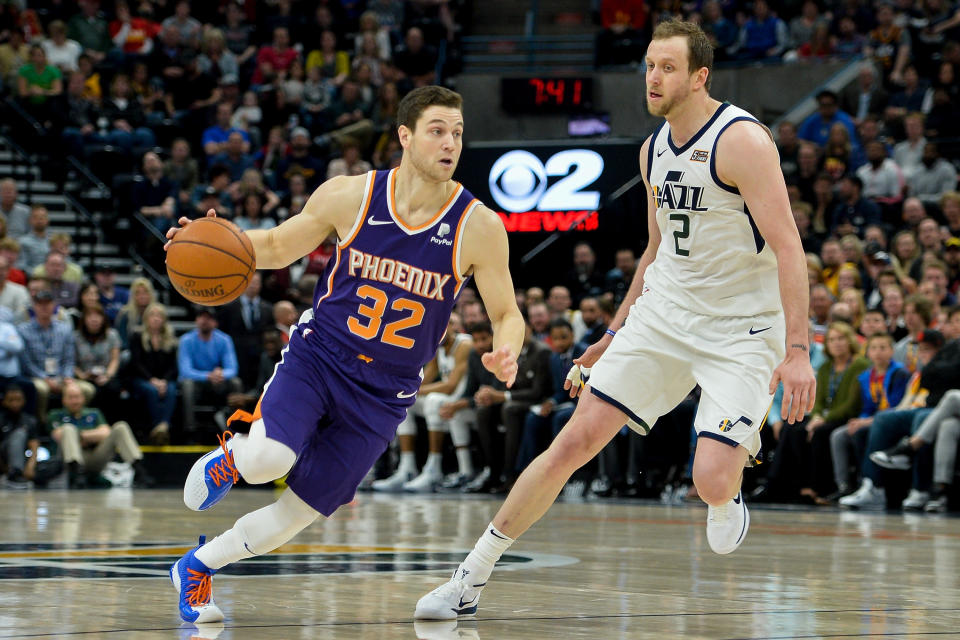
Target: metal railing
22	159
160	281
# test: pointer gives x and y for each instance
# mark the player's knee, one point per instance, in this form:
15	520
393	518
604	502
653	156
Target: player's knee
263	471
570	450
716	484
266	464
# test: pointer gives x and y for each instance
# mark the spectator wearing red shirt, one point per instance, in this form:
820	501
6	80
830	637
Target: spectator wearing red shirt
10	249
621	41
132	34
276	57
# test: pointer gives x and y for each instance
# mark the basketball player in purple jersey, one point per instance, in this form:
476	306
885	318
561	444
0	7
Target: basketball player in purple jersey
410	239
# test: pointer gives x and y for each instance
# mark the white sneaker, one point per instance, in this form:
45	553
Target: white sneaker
866	497
937	505
727	525
450	601
394	482
426	482
915	500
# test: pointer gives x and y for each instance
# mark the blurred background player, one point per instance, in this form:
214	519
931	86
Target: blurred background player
445	378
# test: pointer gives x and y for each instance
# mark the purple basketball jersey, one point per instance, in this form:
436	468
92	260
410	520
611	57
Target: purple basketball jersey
388	294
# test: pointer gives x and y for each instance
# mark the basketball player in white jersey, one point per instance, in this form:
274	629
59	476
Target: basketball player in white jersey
719	299
445	378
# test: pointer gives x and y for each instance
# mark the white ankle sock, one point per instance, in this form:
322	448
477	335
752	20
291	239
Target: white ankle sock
464	461
478	566
408	462
433	463
259	531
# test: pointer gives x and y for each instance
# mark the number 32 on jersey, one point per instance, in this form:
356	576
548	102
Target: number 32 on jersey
373	313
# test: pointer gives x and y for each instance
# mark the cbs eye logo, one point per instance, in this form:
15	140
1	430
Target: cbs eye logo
518	181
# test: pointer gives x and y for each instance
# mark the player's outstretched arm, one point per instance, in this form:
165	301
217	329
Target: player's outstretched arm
747	158
486	251
577	376
333	207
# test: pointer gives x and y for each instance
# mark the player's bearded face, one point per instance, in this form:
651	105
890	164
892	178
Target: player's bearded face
662	97
668	80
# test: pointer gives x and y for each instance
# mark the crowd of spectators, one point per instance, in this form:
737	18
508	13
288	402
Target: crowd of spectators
246	107
872	180
888	32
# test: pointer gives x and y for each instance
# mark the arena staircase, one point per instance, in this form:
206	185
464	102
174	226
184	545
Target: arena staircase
83	207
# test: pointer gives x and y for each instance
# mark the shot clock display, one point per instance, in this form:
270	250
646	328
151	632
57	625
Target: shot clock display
546	95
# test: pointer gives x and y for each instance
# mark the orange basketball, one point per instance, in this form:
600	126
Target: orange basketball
210	261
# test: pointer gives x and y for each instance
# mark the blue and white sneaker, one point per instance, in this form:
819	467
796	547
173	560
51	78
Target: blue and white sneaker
193	580
211	477
727	525
450	601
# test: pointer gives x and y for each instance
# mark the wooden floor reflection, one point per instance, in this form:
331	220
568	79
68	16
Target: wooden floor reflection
94	565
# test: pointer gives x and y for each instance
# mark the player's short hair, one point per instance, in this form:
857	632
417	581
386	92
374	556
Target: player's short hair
699	49
416	102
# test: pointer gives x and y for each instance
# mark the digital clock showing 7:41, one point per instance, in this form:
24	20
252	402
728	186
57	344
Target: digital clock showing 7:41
544	94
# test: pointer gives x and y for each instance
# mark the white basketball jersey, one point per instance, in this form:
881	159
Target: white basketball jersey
446	363
712	259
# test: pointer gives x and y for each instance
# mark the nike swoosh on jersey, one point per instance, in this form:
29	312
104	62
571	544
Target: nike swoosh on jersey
371	220
661	152
752	332
402	395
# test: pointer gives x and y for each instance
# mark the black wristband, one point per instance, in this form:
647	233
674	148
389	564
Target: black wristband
796	345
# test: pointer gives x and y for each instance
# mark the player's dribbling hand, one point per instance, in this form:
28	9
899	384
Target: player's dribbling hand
184	221
501	363
799	386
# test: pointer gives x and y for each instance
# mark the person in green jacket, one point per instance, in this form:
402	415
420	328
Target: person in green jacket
802	464
37	83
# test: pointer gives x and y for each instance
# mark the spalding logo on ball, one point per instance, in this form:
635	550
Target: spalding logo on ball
210	261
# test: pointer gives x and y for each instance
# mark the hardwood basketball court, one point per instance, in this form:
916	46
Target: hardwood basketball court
89	564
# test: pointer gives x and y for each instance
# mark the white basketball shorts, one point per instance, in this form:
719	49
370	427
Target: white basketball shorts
663	351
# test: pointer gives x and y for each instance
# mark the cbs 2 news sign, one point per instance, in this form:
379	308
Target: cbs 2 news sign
547	186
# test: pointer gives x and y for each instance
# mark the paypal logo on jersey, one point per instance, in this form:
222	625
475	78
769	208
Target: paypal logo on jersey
441	232
679	197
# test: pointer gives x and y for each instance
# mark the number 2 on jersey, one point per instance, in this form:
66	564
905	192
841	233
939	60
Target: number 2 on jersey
374	315
682	233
